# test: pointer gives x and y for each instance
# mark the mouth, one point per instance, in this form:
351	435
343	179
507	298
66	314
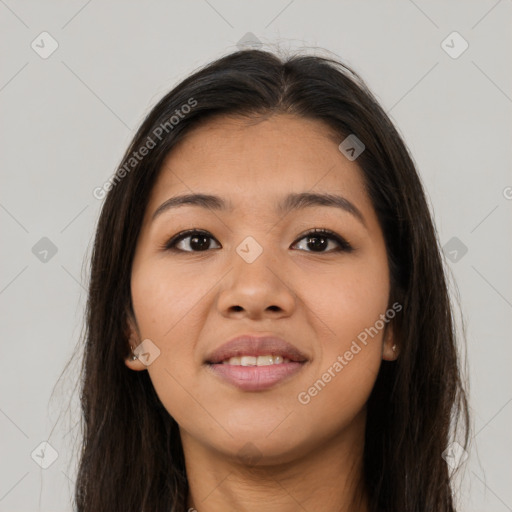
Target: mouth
253	363
266	360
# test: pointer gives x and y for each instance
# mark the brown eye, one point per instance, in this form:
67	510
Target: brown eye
197	241
318	240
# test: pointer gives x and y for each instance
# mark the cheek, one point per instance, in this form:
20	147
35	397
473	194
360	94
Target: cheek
349	306
163	298
166	305
340	381
348	298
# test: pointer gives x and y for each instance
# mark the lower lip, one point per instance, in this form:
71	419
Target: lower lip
255	378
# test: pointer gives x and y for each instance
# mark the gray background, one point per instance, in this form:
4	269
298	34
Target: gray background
67	119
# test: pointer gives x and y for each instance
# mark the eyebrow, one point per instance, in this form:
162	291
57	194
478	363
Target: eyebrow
291	202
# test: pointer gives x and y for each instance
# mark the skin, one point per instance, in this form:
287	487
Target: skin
307	456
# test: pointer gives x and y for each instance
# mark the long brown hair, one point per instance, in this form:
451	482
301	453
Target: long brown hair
131	458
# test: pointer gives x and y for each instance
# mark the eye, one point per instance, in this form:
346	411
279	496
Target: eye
197	239
318	240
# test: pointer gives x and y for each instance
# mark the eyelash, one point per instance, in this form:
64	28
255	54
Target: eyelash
344	246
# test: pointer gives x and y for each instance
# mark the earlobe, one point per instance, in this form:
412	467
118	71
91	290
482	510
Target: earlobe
132	362
132	336
390	347
390	352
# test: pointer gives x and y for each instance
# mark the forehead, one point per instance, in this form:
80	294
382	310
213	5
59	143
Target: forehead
253	162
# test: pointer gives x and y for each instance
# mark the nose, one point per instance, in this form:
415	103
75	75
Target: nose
256	289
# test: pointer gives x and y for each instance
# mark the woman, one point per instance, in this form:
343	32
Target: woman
268	322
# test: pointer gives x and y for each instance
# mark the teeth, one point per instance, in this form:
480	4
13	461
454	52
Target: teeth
256	361
249	360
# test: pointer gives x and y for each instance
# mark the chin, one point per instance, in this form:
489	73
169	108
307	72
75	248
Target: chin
260	449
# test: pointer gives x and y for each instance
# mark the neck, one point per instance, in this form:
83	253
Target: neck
327	477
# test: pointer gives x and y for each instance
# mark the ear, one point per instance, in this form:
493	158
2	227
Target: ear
133	337
389	341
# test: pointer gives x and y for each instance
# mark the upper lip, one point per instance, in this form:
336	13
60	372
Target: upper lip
254	345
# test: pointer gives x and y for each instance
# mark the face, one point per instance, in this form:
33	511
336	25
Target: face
256	269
